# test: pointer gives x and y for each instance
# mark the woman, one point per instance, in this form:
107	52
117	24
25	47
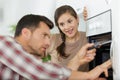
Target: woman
65	45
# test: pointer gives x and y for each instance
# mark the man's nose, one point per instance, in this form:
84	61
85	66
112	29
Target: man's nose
47	42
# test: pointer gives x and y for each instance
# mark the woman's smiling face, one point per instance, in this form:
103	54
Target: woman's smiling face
68	24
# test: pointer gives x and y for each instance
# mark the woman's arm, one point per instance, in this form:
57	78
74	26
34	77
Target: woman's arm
93	74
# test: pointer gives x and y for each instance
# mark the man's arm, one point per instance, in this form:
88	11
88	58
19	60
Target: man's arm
83	56
15	57
80	58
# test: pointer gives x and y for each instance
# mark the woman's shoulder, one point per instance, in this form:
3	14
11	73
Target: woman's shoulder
55	35
55	57
55	41
83	36
82	33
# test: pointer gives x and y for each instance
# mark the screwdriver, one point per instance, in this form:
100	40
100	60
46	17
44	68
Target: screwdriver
99	44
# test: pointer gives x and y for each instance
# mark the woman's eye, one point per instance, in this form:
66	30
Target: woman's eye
69	21
61	24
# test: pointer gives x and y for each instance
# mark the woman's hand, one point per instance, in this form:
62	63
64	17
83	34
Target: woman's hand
94	73
85	14
105	66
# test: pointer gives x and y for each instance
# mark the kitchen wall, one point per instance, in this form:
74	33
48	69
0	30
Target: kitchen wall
115	4
13	10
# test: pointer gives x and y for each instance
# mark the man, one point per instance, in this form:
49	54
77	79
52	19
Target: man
20	56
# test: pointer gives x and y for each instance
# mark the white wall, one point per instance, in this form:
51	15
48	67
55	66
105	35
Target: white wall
96	6
14	9
115	6
42	7
9	15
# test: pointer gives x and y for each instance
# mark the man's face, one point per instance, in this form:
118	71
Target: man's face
39	39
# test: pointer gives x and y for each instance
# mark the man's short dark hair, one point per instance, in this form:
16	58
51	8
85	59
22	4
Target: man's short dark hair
31	21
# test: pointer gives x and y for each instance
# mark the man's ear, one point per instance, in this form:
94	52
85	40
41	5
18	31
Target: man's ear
26	33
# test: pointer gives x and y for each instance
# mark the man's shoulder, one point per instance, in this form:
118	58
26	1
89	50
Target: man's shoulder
2	37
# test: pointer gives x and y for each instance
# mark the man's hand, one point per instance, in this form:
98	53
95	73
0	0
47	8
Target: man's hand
83	56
